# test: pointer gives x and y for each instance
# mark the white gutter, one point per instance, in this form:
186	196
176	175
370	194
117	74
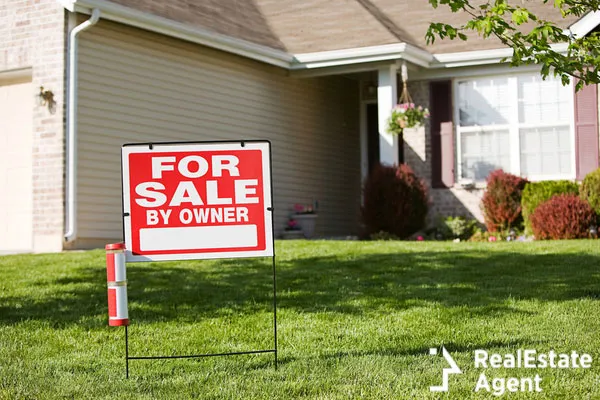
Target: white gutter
143	20
154	23
584	25
480	57
306	61
71	173
386	52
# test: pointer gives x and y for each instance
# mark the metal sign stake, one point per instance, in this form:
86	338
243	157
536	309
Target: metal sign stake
274	350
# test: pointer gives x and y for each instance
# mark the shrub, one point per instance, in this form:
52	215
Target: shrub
395	201
564	216
590	190
501	201
536	193
456	227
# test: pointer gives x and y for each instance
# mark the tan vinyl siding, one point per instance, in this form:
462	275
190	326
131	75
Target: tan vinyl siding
135	86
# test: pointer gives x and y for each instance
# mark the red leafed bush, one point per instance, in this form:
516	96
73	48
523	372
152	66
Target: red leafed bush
501	201
395	201
564	216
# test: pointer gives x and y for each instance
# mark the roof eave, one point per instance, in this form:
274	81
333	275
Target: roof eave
359	55
305	61
480	57
585	24
118	13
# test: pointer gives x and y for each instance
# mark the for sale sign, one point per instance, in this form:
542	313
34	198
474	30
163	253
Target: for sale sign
185	201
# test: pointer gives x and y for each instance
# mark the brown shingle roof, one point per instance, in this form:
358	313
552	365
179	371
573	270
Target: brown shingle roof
416	15
240	19
320	25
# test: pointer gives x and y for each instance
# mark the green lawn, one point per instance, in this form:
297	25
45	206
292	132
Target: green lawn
356	320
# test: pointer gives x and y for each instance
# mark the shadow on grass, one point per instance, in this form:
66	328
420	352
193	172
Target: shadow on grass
452	347
479	282
419	351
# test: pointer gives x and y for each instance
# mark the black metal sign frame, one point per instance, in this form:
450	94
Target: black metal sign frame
270	209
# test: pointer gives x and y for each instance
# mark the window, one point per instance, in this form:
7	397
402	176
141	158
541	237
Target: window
519	123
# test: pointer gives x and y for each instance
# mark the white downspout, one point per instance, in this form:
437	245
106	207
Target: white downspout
71	172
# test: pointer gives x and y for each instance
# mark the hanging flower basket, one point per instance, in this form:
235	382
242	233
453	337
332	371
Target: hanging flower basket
406	115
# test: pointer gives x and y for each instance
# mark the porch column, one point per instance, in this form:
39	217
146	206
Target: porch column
387	96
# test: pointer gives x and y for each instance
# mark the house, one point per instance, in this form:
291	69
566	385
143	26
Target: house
78	78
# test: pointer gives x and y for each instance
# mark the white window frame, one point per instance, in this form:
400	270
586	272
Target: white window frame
513	128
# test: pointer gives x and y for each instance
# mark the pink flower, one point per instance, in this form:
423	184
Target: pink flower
298	208
420	238
404	106
492	239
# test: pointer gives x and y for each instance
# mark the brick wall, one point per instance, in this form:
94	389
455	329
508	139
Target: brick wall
32	35
417	141
417	153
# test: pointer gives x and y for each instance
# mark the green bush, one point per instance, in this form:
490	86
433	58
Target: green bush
590	190
535	193
456	228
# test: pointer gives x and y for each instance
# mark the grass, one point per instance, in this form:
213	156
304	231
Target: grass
356	320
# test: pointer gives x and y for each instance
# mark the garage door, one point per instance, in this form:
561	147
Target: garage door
16	195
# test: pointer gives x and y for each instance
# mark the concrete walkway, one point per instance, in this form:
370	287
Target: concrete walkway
8	252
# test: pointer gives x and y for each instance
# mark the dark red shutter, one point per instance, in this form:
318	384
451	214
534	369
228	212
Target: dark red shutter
447	158
442	137
586	130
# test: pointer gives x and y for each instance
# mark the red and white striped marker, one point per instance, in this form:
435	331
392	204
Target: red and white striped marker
117	285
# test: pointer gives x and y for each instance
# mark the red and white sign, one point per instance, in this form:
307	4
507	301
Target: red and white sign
194	201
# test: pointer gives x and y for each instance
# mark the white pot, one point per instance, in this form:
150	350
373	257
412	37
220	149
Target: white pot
307	223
